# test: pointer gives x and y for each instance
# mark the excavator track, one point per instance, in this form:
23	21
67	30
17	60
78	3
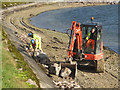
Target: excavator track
100	67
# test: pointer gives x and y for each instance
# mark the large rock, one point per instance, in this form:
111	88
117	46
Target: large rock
55	69
42	58
30	81
65	72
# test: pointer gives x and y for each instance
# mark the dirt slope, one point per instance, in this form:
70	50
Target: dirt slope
55	44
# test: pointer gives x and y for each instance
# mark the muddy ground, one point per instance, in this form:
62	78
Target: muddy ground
55	45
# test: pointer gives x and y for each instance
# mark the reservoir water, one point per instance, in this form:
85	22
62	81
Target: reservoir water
60	20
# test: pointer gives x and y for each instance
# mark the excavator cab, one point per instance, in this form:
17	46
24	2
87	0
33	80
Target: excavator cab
92	38
92	47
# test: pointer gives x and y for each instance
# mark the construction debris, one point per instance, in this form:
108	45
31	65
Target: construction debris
55	69
30	81
66	84
70	68
65	72
46	66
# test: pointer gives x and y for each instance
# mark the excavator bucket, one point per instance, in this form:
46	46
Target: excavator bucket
68	70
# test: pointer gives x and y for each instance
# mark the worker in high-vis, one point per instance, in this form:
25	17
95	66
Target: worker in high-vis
91	38
35	42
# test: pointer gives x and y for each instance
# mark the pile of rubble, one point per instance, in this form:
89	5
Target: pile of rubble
23	38
59	70
66	84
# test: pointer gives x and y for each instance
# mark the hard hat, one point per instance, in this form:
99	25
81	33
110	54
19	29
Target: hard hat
33	41
30	34
92	18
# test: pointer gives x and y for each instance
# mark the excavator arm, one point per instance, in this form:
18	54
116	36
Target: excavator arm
76	34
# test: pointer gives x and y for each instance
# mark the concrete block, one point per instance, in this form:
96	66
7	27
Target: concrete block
55	69
52	69
65	72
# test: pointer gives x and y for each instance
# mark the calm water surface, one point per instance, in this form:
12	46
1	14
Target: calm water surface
61	20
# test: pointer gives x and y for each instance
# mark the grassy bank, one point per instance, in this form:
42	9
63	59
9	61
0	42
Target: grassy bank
10	4
10	71
15	70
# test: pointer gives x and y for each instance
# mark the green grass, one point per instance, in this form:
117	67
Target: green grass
0	60
10	4
11	73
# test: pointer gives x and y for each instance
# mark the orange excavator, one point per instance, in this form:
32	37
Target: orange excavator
86	45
